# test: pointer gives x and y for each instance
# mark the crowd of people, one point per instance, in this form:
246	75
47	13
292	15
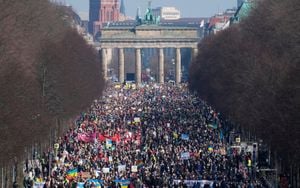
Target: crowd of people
150	136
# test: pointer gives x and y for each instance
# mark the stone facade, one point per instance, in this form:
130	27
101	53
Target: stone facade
147	37
150	32
103	11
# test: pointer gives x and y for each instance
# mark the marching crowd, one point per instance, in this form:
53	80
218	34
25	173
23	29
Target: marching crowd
150	136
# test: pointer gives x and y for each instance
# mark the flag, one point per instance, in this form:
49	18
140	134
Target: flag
71	174
116	138
96	182
175	135
221	135
102	137
202	23
80	185
140	163
86	137
214	126
123	183
184	137
108	143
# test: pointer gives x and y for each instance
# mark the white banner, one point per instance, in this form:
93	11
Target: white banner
38	185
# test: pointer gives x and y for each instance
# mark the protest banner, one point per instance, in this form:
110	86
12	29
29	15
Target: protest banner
185	155
191	183
38	184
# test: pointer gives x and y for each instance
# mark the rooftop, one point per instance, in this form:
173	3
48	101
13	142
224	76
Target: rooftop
182	22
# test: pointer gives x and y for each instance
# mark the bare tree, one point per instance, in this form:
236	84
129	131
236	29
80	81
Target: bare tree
47	72
250	72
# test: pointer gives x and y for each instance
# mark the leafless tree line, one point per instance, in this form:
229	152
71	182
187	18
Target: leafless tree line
251	73
48	73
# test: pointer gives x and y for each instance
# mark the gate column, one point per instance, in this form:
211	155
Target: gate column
121	65
178	66
138	66
161	66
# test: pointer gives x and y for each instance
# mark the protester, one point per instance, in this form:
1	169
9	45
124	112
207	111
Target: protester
151	136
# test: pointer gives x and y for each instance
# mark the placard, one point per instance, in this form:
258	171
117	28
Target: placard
105	170
185	155
121	168
134	168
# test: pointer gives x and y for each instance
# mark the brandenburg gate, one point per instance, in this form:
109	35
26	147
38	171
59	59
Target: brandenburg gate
147	36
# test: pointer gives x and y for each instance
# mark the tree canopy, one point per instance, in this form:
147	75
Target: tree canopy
47	72
250	73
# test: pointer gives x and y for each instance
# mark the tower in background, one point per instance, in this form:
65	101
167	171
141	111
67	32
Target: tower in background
122	8
93	14
102	11
109	11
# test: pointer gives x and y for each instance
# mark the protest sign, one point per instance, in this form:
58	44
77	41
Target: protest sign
105	170
121	168
134	168
108	143
185	155
184	136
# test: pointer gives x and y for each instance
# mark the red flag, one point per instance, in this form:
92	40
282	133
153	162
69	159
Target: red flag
101	137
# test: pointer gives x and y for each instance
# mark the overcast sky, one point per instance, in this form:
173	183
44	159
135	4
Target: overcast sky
188	8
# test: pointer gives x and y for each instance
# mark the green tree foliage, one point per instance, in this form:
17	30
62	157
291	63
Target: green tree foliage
250	72
47	72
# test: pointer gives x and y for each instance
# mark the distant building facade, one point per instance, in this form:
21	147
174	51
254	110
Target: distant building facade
102	11
223	20
93	14
219	22
167	13
109	10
